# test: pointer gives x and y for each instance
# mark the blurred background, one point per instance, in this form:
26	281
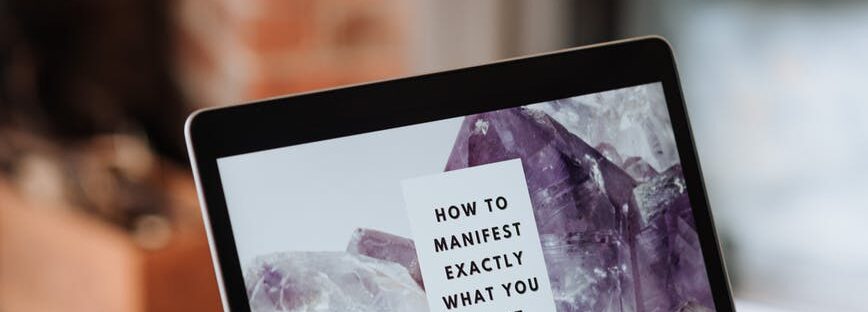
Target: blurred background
97	207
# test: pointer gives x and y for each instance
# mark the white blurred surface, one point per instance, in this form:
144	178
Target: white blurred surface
776	94
748	306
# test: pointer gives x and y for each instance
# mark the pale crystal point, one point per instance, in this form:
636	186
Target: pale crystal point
389	247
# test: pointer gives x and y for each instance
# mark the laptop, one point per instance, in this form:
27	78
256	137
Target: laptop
566	181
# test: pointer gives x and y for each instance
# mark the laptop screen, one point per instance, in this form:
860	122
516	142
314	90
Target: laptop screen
576	204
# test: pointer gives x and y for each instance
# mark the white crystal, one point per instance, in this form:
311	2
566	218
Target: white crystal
330	281
634	120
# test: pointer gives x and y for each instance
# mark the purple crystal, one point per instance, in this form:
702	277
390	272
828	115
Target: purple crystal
389	247
670	258
583	203
582	267
330	281
572	186
610	243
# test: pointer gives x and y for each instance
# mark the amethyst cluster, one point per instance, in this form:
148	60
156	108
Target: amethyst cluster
616	234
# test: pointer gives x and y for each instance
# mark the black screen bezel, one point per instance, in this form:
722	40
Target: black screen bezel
286	121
